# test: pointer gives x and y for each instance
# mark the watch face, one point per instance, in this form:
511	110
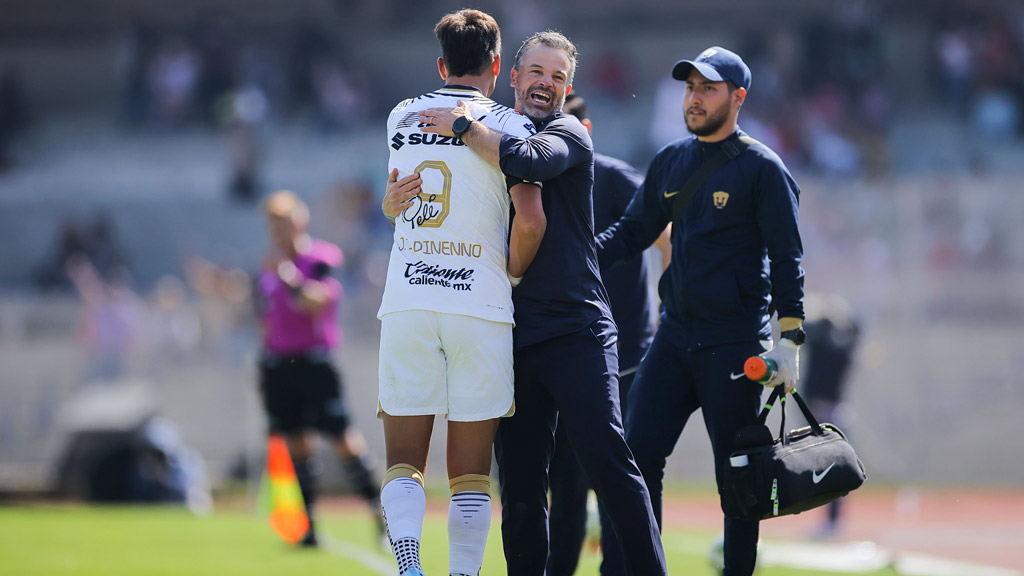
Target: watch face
460	125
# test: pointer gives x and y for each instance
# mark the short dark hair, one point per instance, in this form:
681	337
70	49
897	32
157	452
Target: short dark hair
470	39
551	39
575	105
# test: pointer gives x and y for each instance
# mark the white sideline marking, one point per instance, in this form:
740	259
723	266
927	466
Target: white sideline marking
862	557
358	554
850	558
920	565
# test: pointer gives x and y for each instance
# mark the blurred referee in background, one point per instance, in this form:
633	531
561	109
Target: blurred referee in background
301	390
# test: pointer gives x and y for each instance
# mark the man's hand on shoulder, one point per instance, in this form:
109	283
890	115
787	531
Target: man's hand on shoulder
481	139
440	120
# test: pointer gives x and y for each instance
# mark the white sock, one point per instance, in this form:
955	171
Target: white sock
404	504
469	520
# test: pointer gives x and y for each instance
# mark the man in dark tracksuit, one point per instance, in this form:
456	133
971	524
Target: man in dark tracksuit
615	183
566	366
736	255
833	333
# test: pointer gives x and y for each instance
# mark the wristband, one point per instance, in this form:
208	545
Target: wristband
797	335
391	218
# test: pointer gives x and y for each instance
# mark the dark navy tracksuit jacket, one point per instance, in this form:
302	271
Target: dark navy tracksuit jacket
719	284
566	367
736	254
561	292
615	183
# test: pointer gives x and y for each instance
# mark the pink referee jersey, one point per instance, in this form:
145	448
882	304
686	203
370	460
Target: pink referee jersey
286	330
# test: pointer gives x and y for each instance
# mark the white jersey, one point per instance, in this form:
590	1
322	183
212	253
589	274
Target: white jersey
450	251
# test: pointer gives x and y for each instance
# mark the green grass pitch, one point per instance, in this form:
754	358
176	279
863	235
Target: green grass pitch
58	540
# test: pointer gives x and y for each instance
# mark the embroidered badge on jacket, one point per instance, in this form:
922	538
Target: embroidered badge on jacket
721	198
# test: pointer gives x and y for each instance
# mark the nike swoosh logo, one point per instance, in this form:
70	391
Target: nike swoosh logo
736	376
818	477
670	194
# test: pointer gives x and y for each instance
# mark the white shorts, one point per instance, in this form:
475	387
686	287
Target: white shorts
448	364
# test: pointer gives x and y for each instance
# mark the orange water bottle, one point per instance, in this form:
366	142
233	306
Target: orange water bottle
760	369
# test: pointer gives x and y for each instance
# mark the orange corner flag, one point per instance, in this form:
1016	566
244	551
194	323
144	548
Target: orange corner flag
287	510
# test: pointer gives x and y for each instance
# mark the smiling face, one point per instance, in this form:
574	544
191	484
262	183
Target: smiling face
541	81
711	107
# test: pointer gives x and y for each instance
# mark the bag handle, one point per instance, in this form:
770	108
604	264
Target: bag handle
807	413
774	397
777	395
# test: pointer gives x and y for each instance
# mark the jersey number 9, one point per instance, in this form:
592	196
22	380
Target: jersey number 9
434	206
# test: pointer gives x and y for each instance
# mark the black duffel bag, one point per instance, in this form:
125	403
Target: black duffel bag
808	467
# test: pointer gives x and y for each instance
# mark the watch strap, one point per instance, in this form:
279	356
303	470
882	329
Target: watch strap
796	335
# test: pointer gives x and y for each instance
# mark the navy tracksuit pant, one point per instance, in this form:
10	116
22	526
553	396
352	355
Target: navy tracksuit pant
568	521
671	384
571	380
570	488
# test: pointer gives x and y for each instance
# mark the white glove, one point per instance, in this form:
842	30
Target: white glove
787	358
513	279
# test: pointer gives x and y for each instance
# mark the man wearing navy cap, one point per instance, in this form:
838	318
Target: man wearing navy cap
736	255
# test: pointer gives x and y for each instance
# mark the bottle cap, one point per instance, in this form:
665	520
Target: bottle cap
755	368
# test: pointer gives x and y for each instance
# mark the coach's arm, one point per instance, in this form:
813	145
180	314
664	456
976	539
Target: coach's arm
485	141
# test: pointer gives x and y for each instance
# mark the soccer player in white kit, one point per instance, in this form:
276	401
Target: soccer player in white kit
446	314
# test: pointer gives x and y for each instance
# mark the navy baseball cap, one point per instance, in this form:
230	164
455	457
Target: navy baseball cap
716	64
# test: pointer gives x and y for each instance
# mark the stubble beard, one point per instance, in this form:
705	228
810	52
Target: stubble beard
714	121
534	113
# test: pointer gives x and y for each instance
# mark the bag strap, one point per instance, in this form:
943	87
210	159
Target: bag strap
778	396
775	396
807	413
769	404
729	150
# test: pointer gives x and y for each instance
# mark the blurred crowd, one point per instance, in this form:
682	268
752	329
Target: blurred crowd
204	304
827	90
825	109
823	98
14	114
827	100
826	97
215	74
126	330
977	68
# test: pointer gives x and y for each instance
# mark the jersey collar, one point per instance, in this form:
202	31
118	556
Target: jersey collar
460	88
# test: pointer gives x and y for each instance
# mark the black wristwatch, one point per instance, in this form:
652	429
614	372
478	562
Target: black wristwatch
797	335
460	125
